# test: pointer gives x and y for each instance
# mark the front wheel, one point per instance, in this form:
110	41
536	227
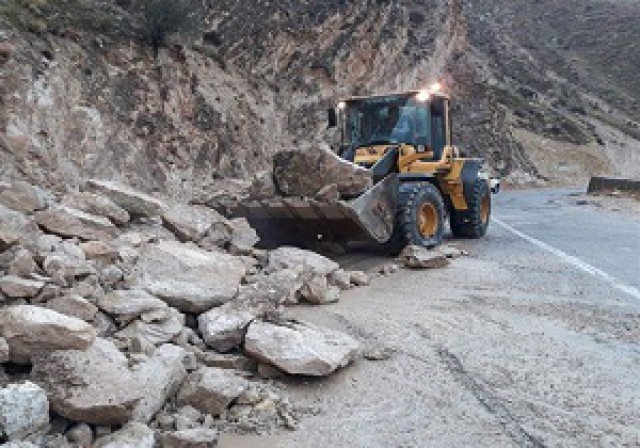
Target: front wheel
473	222
420	217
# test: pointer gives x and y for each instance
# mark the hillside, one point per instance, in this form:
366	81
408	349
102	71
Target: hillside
541	93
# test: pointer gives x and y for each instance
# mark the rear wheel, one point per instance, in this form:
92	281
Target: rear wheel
473	223
420	217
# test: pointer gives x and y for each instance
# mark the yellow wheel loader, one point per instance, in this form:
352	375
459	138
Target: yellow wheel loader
420	180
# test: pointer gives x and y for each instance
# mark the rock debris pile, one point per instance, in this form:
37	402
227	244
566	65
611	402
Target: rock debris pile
127	321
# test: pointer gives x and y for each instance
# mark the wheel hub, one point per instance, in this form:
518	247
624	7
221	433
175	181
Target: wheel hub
427	220
484	209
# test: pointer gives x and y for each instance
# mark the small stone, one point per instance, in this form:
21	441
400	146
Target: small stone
418	257
24	410
341	279
262	186
7	240
23	197
154	332
359	278
5	355
190	438
223	328
74	306
80	434
127	305
450	251
100	251
165	422
134	435
211	390
318	291
19	288
111	276
243	237
378	352
23	264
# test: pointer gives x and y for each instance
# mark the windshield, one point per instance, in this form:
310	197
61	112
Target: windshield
387	120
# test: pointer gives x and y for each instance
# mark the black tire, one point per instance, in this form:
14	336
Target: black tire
474	222
417	202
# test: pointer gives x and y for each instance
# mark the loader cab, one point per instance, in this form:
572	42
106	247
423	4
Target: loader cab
371	126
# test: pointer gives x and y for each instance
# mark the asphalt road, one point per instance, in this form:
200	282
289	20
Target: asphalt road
533	340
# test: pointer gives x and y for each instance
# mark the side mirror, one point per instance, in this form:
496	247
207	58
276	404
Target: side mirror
332	117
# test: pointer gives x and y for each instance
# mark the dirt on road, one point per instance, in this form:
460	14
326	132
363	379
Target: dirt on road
510	346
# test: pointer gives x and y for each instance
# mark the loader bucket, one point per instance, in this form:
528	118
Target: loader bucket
292	220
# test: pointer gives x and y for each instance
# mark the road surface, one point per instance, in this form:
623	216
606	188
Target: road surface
531	341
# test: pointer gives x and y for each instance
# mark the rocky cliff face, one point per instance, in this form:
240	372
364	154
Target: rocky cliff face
532	82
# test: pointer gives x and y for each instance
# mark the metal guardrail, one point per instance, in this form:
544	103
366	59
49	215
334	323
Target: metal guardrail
600	184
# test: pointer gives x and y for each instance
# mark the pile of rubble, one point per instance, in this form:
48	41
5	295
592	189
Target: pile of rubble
126	321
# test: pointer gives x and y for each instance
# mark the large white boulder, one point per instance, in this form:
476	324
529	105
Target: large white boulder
307	171
31	330
160	377
300	349
94	386
294	258
188	278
